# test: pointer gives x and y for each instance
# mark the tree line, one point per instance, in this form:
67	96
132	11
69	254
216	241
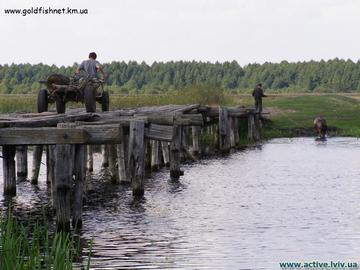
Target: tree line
334	75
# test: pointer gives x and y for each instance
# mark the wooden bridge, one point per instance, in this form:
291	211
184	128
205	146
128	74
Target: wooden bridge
133	141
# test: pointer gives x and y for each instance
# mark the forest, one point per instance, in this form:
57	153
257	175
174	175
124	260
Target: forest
334	75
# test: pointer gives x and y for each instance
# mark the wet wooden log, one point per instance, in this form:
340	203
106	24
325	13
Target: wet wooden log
155	157
113	167
36	163
165	153
8	155
236	130
195	131
224	131
257	127
175	150
90	158
121	160
136	160
63	180
105	156
21	162
51	172
80	181
232	132
253	127
148	157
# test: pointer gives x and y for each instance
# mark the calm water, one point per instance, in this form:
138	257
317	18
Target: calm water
287	200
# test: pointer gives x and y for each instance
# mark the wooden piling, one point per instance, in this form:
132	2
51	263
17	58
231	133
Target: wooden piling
195	131
80	179
136	162
21	162
232	132
257	127
165	153
175	149
236	130
36	163
224	130
148	152
253	127
105	156
90	158
51	172
122	164
8	154
114	174
63	181
155	157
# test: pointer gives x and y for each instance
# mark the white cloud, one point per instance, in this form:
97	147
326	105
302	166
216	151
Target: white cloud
162	30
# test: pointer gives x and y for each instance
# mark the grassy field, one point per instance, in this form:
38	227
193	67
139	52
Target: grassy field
291	115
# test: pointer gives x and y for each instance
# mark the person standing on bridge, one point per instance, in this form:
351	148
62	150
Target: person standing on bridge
91	67
258	94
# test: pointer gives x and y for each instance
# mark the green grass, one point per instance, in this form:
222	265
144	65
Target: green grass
298	112
295	116
32	247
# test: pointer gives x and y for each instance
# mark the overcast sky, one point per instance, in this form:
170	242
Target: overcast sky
247	31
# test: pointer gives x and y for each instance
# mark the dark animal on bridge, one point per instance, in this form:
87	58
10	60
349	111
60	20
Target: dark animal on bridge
320	127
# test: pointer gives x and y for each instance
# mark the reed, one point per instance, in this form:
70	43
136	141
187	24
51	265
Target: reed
33	247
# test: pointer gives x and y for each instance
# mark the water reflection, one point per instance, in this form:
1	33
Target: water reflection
289	200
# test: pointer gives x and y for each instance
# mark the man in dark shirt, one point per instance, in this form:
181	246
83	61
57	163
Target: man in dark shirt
91	67
258	94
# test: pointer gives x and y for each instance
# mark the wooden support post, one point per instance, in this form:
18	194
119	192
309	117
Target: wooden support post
253	131
48	176
80	179
184	145
165	153
155	157
63	180
105	156
224	130
90	159
136	160
236	130
21	162
36	163
8	155
113	163
175	149
121	161
148	156
232	132
195	140
51	172
257	127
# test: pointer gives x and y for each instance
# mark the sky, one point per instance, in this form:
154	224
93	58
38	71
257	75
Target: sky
248	31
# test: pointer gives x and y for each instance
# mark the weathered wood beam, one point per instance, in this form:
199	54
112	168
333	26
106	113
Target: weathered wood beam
64	162
69	135
36	163
80	180
136	160
8	155
21	162
175	150
224	130
159	132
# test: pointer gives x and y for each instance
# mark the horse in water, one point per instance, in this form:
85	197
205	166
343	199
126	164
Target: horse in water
320	127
